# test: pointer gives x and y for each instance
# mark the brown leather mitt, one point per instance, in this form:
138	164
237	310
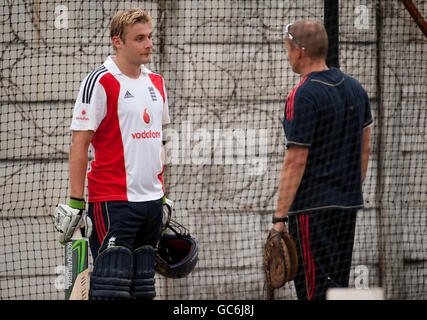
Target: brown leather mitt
280	260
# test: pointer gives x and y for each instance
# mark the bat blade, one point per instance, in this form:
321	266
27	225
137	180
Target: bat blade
76	266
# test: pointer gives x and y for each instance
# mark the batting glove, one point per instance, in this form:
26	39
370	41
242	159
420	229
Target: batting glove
69	217
167	212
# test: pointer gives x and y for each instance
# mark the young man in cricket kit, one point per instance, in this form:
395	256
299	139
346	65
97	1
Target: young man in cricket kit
119	112
327	122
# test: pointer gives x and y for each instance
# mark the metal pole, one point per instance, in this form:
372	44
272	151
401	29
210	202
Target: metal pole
331	23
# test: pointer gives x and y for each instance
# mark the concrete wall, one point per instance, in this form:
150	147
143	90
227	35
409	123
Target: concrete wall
227	79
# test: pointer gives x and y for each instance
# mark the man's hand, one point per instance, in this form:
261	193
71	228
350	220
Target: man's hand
280	227
167	212
66	221
69	217
280	260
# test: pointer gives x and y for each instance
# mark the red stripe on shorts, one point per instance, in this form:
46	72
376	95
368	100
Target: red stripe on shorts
308	257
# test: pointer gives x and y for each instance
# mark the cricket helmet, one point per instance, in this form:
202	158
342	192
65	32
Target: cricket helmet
176	253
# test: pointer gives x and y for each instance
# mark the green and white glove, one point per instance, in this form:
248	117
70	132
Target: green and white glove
69	217
167	212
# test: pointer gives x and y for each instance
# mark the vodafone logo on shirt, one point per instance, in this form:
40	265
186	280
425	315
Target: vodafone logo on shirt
147	120
82	116
146	135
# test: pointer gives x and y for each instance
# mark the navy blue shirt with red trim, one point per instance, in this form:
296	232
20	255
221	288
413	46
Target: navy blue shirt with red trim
327	113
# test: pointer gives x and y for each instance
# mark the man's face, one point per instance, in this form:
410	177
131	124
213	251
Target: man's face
137	45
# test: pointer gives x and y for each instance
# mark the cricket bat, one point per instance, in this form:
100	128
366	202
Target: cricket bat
76	267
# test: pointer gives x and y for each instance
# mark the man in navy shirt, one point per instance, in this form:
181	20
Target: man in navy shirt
327	123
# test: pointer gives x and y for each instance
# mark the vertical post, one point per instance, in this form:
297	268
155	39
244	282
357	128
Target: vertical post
391	205
331	23
36	23
379	143
164	14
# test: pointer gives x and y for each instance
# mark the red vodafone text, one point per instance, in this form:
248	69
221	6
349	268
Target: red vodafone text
146	135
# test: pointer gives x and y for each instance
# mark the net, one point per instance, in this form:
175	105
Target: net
227	77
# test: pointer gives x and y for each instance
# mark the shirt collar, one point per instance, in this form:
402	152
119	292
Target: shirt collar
114	70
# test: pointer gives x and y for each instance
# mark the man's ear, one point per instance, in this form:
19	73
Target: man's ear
117	42
300	52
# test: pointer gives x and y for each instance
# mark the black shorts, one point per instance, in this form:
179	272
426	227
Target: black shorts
124	223
325	245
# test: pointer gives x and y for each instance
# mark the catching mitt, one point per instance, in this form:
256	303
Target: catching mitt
280	260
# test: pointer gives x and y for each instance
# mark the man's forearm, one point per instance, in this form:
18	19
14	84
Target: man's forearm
290	178
78	160
77	167
365	160
366	149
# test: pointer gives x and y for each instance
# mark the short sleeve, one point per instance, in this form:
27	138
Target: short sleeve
89	111
367	121
299	120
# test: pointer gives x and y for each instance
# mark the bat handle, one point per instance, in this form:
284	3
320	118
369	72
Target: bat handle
77	235
82	226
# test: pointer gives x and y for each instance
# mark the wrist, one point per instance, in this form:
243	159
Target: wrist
77	203
280	227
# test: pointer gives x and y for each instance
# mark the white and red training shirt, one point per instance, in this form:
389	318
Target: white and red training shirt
127	116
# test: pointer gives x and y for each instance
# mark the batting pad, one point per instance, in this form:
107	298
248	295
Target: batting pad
143	277
112	273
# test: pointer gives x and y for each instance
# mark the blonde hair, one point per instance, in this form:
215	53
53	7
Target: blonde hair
128	18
